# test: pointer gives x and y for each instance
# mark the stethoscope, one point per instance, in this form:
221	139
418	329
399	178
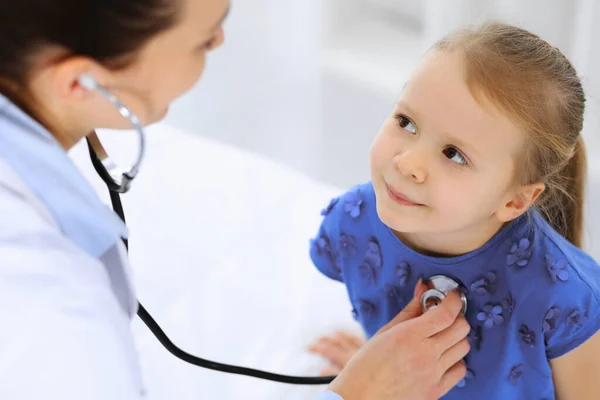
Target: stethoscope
119	181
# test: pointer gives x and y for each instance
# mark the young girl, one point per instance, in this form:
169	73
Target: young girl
478	174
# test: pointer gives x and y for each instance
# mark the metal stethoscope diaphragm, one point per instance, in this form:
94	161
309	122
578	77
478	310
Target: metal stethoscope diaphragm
438	287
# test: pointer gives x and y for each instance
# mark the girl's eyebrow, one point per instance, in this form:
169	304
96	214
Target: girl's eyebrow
405	105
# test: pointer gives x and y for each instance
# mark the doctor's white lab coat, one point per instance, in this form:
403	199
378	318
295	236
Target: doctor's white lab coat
66	298
64	334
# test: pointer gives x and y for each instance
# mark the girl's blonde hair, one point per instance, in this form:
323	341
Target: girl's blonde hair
538	88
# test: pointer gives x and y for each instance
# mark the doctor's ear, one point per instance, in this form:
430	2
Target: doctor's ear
74	78
519	201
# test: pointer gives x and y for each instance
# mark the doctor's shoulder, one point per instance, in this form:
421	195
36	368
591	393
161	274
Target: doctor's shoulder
60	320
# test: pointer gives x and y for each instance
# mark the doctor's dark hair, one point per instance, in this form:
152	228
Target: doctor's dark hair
109	31
536	86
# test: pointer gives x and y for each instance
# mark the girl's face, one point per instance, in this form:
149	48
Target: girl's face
443	164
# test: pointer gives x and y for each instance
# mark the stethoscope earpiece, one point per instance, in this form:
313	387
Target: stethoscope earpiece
438	288
113	176
87	81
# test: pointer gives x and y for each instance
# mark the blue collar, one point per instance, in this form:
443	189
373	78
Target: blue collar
47	170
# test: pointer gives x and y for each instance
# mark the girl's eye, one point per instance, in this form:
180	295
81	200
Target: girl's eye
454	155
406	124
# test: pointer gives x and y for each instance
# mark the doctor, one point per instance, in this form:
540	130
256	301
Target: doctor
66	298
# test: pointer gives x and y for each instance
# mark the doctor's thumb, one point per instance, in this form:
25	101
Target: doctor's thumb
412	309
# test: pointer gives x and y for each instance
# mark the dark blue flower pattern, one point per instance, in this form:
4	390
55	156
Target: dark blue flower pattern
469	376
491	315
515	374
368	273
373	256
475	337
557	268
551	319
329	207
394	296
402	273
323	248
576	319
519	253
485	285
353	204
347	244
336	268
527	336
509	305
367	309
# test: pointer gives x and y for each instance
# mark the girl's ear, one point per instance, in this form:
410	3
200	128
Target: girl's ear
519	201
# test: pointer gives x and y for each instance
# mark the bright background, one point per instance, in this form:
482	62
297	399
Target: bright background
233	183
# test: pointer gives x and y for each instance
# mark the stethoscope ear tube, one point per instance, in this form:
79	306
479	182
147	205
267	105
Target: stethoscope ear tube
116	178
201	362
120	182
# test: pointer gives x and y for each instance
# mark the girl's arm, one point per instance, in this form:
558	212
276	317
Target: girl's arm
577	374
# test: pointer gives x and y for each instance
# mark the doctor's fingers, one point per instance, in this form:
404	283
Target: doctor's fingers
442	317
449	337
452	376
453	355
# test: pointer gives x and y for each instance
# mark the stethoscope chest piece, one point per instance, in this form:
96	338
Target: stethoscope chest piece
438	287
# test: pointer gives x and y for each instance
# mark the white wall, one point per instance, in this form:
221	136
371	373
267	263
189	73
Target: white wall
567	24
262	90
308	82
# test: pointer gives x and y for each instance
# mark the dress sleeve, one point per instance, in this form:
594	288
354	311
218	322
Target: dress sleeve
324	247
573	314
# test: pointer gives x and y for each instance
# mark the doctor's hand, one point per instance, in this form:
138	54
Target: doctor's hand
413	357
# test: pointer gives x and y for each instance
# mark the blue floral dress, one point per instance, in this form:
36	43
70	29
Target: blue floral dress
532	296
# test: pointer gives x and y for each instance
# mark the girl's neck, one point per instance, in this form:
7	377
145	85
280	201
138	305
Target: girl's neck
450	244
